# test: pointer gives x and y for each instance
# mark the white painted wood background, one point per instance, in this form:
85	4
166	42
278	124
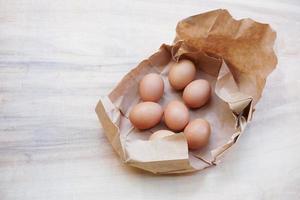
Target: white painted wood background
58	57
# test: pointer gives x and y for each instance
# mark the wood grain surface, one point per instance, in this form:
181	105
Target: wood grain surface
57	58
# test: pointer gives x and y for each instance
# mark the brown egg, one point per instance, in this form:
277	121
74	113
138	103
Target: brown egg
197	93
145	115
176	115
151	87
181	74
197	133
160	134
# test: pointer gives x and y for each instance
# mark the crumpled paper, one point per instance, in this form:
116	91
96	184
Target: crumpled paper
235	56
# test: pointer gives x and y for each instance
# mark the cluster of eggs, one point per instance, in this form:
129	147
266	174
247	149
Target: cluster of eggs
196	93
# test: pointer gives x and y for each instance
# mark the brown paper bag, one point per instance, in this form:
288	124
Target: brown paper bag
235	56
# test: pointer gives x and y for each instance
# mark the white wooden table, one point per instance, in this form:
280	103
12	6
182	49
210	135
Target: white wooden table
58	57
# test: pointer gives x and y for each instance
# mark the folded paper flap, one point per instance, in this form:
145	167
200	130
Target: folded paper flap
172	147
228	90
246	46
164	155
103	108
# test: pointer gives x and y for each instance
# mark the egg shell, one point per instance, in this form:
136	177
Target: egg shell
196	93
181	74
145	115
160	134
197	133
151	87
176	115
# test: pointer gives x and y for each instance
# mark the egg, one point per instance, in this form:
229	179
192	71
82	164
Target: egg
160	134
151	87
196	93
197	133
176	115
145	115
181	74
